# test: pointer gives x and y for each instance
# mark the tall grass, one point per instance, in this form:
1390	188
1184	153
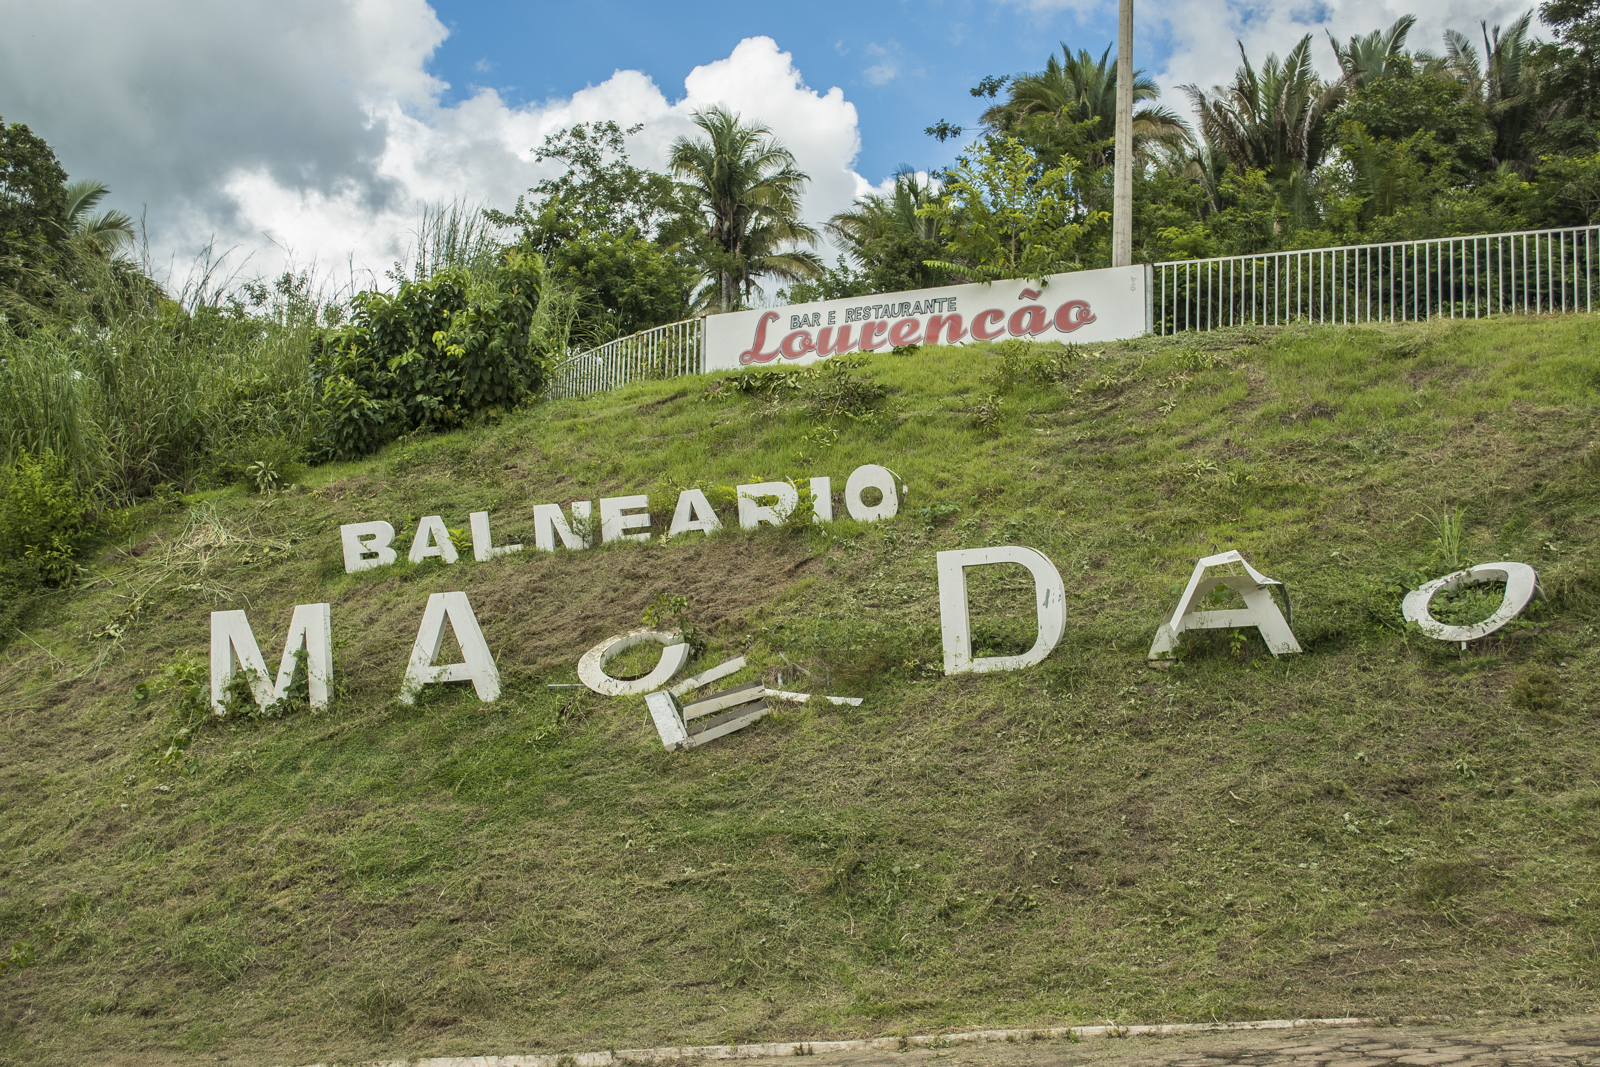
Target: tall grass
453	236
135	390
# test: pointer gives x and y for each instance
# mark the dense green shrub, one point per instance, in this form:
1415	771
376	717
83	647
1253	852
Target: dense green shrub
44	513
429	357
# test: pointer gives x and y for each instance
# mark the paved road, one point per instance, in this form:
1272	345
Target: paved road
1572	1042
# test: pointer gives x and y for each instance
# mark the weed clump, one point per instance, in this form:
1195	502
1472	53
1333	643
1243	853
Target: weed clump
1438	883
1537	690
1025	363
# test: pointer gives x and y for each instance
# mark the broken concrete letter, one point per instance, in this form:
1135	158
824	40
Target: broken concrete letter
1521	583
367	545
693	513
1260	610
870	475
592	667
234	648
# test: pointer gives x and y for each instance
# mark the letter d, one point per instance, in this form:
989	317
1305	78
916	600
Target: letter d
1049	598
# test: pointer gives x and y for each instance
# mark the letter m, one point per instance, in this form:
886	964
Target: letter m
234	648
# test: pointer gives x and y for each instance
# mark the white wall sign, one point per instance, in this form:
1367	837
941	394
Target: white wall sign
1260	610
1521	583
368	545
1090	305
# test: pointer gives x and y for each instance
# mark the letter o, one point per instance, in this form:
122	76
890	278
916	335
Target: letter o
880	478
1073	314
1521	584
592	667
798	344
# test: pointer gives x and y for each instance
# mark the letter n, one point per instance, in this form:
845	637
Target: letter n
549	523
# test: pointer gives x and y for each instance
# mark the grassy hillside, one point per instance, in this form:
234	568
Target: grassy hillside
1382	825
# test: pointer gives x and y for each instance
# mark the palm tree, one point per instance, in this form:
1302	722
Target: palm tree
104	234
749	190
1503	82
879	215
1078	89
1377	55
1275	120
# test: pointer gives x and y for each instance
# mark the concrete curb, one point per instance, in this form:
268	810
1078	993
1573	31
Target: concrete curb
617	1057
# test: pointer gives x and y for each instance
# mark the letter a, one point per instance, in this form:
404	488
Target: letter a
1260	610
478	668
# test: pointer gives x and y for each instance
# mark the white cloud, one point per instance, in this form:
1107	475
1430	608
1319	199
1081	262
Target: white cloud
886	70
314	127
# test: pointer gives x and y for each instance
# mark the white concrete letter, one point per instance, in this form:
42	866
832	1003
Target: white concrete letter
614	522
822	500
549	522
233	646
361	554
693	513
433	539
883	479
1049	597
483	548
1521	583
753	513
592	667
478	666
1260	610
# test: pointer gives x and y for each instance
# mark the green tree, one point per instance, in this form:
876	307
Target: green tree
623	283
1504	83
748	191
104	234
888	239
1001	218
600	191
1403	107
33	210
1572	82
1380	54
618	237
1275	120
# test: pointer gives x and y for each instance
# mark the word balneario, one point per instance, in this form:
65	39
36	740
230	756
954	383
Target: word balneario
625	518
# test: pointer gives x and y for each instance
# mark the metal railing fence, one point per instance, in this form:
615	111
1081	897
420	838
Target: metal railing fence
660	352
1529	271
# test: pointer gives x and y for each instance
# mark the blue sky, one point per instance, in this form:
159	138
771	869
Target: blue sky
313	133
903	65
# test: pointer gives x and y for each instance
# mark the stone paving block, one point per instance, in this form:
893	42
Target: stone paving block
1356	1062
1428	1059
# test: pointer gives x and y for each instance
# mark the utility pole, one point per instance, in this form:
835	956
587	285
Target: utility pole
1122	193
